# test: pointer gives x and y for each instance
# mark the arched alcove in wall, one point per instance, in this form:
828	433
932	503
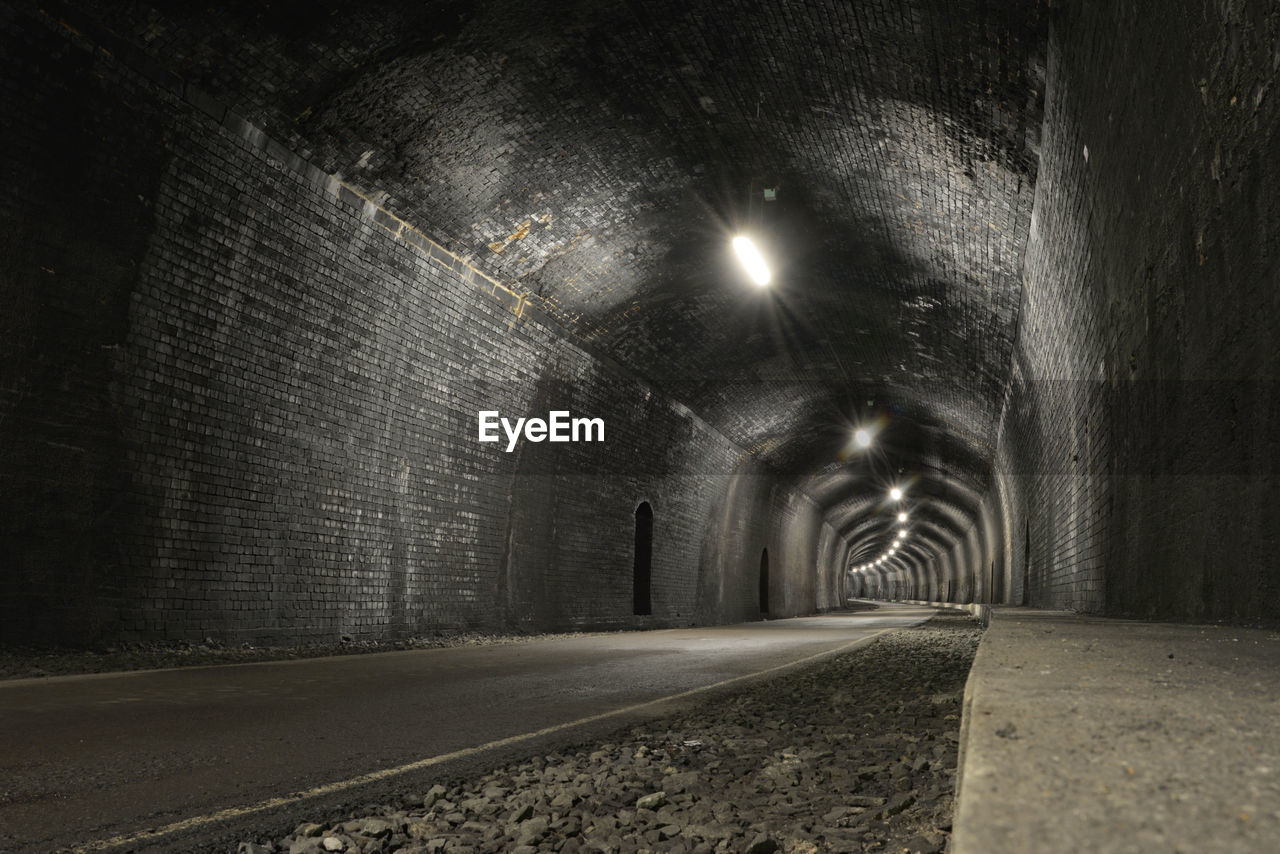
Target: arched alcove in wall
642	570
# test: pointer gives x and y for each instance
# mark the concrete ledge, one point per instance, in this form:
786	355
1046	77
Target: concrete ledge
1094	735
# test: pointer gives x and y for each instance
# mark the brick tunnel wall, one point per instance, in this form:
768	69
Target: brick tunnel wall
240	401
1138	449
1136	469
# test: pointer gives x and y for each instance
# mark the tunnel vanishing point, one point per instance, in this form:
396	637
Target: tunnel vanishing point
264	265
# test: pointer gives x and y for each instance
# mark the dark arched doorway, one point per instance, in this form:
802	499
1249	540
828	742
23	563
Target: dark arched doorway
641	574
764	582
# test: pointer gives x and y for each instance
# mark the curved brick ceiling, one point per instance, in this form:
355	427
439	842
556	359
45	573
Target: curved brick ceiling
597	155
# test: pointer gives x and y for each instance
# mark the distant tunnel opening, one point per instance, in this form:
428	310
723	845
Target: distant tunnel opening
764	582
642	571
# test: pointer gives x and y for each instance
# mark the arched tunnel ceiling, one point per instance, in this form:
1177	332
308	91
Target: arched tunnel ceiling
598	156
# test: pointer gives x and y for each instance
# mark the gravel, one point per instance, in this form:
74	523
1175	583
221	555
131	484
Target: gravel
855	753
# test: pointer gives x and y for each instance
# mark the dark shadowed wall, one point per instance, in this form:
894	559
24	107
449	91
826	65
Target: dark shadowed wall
1137	464
1136	469
239	400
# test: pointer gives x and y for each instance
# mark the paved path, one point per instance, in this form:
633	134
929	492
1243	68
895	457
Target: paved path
1083	734
90	758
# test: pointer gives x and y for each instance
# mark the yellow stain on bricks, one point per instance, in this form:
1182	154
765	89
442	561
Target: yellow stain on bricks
521	232
480	279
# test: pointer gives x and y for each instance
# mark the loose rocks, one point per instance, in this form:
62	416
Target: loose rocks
854	754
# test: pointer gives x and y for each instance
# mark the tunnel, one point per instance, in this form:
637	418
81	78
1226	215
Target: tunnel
344	322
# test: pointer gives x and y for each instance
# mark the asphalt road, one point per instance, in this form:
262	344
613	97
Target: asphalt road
87	760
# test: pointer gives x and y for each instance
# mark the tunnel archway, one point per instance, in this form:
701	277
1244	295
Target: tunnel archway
764	582
642	568
912	303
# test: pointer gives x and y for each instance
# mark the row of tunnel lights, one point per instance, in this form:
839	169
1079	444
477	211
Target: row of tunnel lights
895	494
758	272
862	438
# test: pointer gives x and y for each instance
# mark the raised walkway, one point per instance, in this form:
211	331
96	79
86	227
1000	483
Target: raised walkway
1085	734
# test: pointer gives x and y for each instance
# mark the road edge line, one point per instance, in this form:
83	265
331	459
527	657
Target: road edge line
194	822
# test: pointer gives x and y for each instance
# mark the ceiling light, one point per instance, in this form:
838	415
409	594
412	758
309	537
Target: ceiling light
752	260
862	436
895	494
902	517
902	532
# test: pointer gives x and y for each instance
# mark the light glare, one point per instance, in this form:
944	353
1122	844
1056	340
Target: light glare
902	517
752	260
862	437
895	494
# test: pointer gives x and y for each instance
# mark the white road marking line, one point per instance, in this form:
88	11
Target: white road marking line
386	773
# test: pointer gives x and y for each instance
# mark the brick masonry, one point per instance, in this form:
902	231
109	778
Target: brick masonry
1135	471
595	157
1137	454
240	400
228	371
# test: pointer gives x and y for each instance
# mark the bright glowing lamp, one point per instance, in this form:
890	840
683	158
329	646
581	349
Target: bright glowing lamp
895	494
902	517
750	257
